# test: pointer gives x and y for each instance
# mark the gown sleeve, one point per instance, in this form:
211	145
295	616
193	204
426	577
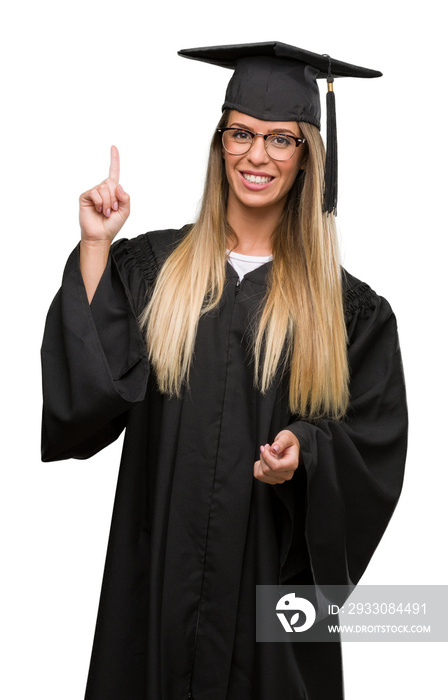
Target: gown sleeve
353	468
94	359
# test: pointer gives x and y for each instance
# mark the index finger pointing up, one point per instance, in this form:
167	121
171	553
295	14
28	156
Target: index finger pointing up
114	170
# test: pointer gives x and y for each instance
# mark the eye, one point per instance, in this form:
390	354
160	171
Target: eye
281	140
241	135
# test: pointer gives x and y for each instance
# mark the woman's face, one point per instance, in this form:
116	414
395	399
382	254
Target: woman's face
278	176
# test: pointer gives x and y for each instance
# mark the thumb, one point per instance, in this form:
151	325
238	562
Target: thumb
121	195
283	440
124	202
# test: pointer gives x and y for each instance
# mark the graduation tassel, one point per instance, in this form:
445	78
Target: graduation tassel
331	163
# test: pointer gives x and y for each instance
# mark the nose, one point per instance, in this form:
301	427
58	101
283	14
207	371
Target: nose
257	153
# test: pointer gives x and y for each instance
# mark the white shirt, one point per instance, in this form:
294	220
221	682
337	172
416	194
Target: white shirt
247	263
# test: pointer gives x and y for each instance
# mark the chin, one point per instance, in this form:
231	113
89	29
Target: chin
259	200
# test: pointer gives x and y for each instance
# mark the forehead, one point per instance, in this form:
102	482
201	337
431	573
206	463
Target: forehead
259	125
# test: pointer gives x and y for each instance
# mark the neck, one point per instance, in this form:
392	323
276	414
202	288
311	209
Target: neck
253	227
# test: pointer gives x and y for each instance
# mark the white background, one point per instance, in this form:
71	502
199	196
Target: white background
76	78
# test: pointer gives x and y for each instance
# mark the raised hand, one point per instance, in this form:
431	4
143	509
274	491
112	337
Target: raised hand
104	209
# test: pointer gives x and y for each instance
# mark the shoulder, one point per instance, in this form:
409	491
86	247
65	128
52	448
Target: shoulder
358	296
147	253
161	243
363	307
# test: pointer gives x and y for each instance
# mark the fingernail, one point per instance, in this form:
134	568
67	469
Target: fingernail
100	209
107	212
115	206
119	187
275	449
261	449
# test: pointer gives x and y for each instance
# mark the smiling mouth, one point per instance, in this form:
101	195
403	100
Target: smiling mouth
257	179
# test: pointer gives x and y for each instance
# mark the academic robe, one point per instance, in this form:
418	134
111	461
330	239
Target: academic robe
192	531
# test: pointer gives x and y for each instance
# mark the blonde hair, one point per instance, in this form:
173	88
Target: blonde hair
301	324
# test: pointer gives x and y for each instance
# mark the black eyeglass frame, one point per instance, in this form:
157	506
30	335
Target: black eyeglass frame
299	140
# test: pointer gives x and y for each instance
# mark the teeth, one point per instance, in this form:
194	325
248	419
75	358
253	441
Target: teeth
256	179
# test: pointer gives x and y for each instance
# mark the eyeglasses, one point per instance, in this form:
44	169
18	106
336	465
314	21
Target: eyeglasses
278	146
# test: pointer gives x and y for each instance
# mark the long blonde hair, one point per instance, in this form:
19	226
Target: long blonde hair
301	325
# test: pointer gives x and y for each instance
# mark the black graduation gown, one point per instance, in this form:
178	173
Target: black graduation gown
192	531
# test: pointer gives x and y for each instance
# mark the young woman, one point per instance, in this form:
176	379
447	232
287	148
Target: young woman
262	394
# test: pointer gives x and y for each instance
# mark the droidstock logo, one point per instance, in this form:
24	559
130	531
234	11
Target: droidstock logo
291	602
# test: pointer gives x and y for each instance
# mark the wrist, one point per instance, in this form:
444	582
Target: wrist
95	244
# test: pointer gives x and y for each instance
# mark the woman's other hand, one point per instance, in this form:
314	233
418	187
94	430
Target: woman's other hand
278	461
104	209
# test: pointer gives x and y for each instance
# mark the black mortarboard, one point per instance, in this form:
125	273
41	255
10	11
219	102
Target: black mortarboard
278	82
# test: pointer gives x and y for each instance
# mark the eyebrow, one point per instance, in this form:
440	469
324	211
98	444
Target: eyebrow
270	131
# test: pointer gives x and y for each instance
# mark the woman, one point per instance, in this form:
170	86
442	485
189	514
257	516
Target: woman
249	457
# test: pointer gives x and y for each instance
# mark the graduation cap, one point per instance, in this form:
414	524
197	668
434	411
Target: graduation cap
278	82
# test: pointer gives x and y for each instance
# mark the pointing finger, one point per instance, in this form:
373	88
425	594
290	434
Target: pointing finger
114	170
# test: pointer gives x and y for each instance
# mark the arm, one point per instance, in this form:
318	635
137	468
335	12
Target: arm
94	360
354	467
